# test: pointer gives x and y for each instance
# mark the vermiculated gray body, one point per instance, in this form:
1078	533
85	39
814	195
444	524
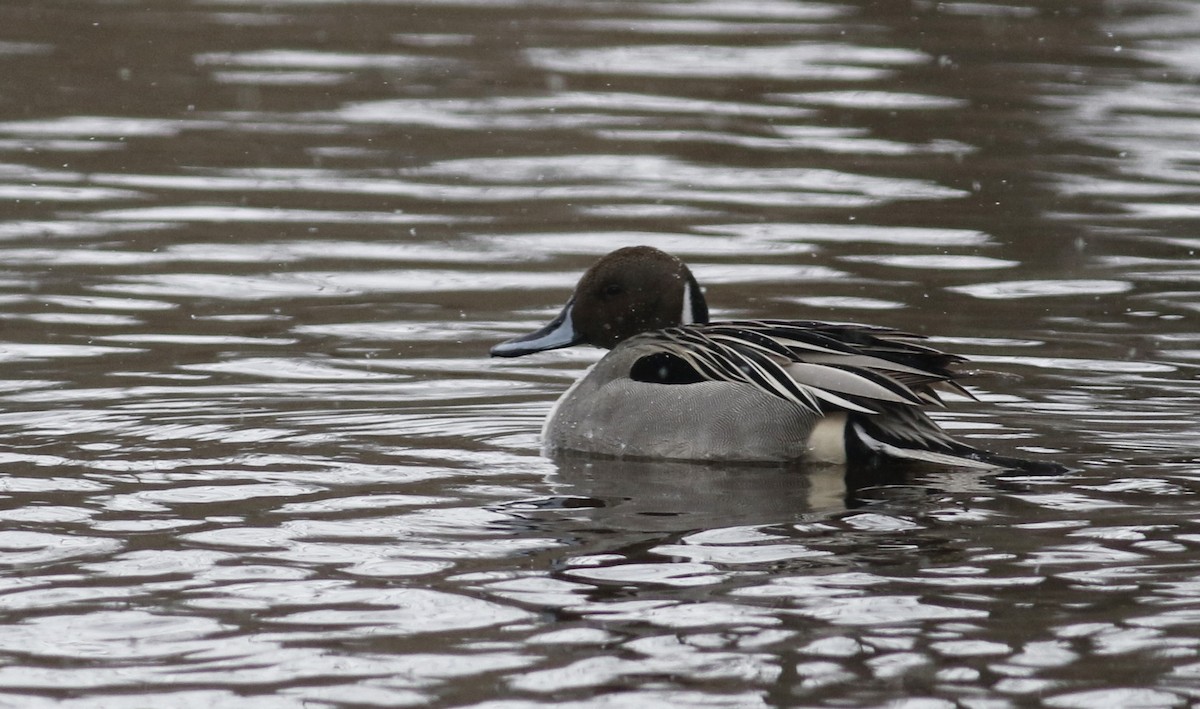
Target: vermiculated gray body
608	413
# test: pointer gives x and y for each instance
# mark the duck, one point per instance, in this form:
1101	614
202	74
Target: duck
676	386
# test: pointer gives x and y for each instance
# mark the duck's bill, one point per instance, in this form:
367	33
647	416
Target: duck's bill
559	333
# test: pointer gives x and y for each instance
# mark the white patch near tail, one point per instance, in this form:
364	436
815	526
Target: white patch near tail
887	449
827	442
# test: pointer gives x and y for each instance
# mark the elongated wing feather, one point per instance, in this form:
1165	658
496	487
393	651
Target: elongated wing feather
819	366
846	381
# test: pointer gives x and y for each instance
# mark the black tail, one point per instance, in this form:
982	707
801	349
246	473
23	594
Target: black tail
904	433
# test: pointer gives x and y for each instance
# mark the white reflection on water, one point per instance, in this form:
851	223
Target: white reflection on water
1037	289
649	170
13	351
809	60
37	548
599	243
95	127
402	611
936	262
65	194
280	78
27	145
69	228
297	59
17	49
873	100
748	9
630	103
852	233
581	177
790	138
116	634
227	213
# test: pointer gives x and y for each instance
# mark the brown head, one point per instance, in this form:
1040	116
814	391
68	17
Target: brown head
631	290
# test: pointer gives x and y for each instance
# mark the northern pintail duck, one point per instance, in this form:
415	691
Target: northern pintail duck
676	386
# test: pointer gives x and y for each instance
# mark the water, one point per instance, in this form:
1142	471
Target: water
254	254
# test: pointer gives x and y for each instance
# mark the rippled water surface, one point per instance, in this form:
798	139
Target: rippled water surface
253	254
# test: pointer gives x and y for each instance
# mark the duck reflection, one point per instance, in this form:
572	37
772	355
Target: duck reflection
677	496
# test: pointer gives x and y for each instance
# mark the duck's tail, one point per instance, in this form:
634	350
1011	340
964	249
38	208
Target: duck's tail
905	433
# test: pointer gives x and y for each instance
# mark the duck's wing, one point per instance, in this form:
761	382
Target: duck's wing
893	355
881	378
820	366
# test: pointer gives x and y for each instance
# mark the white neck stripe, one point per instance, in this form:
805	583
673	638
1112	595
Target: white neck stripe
686	317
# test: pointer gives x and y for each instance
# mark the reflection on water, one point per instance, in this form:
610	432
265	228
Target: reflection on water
641	496
254	256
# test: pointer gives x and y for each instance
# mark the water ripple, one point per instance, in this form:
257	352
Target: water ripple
255	452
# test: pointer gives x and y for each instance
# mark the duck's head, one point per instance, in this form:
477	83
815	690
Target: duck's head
631	290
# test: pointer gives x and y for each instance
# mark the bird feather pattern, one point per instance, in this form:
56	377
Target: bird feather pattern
819	366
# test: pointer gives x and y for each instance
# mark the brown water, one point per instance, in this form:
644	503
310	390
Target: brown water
253	255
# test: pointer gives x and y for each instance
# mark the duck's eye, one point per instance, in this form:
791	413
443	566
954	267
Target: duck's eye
612	290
